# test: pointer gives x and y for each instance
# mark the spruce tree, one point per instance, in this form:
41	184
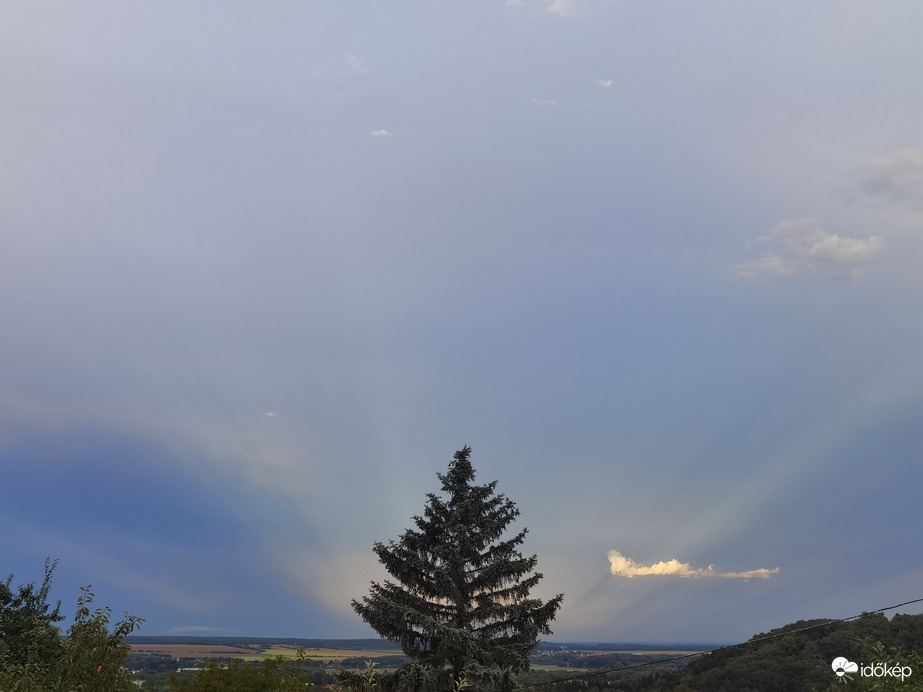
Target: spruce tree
460	606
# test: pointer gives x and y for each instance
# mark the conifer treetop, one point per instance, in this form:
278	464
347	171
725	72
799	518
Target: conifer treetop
459	606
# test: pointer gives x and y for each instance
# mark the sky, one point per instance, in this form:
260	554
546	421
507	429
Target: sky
266	266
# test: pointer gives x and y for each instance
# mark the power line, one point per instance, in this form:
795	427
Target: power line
722	648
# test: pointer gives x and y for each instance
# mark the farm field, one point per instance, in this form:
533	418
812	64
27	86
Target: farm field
560	669
195	650
641	652
255	652
319	654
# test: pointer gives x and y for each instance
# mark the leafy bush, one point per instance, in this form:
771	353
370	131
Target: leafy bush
35	657
279	674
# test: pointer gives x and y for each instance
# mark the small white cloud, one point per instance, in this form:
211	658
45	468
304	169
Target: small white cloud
561	7
622	566
355	64
896	177
380	133
626	567
344	66
605	83
806	250
270	414
544	102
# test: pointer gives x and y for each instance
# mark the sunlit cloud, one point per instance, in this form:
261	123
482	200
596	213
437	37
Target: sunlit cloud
622	566
896	177
380	133
270	414
544	102
803	249
606	83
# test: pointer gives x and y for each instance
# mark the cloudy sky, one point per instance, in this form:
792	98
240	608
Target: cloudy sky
266	266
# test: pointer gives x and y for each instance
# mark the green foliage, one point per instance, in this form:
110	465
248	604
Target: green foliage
366	681
801	660
893	656
460	608
28	634
34	657
279	674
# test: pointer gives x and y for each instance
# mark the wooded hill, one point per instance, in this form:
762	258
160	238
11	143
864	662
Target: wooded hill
801	658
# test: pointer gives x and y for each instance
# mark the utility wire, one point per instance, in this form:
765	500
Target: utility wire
721	648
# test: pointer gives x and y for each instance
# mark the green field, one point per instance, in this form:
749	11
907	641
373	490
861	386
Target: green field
318	654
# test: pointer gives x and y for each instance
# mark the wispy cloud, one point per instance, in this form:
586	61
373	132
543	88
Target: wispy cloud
561	7
804	249
355	64
896	177
380	133
622	566
761	573
342	66
605	83
270	414
544	102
